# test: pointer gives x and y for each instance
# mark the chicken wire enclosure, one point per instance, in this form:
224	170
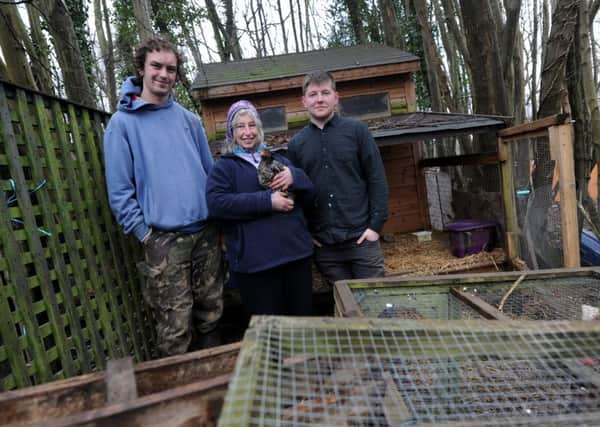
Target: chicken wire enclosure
537	207
379	372
560	294
421	301
539	192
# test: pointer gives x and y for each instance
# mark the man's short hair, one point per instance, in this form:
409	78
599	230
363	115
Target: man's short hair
317	77
155	44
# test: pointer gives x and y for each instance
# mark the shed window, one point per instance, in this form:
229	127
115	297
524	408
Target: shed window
365	106
273	118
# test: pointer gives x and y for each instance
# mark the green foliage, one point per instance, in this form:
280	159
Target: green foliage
126	38
78	9
341	34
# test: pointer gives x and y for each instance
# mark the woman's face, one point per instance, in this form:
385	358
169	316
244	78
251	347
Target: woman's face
245	132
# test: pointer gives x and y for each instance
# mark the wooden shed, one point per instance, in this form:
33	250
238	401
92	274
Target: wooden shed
375	83
372	80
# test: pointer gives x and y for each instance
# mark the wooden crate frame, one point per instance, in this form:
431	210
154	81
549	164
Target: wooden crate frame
347	306
170	391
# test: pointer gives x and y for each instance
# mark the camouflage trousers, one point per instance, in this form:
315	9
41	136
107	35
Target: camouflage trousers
184	286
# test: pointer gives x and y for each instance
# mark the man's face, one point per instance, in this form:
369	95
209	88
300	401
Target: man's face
159	75
320	100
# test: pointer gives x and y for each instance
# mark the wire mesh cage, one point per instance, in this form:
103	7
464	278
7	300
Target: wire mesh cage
380	372
535	181
560	294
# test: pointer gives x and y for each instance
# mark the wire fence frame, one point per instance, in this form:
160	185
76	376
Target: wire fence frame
310	371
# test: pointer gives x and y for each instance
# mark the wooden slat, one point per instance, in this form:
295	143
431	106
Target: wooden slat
524	129
468	159
102	278
195	404
17	273
482	307
561	149
64	193
345	302
122	256
88	392
55	252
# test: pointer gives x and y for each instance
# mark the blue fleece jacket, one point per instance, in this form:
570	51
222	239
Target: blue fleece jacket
257	237
157	160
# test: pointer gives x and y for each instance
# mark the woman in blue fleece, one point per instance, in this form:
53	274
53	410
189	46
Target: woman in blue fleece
268	244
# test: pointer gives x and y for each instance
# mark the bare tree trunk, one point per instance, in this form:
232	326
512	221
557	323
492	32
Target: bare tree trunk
439	88
587	73
309	38
3	69
264	29
101	16
231	36
300	25
13	39
533	59
355	8
553	76
294	26
69	56
392	34
142	13
40	65
282	23
489	96
218	29
452	16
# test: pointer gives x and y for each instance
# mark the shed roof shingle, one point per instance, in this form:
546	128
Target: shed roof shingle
296	64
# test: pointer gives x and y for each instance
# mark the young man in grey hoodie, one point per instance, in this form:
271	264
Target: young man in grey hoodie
157	161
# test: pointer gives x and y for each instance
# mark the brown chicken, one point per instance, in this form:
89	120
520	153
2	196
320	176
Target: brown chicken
268	168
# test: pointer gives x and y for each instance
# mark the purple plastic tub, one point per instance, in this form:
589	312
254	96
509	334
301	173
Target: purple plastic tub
471	237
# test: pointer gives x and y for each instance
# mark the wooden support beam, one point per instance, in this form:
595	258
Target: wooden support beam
508	198
345	304
468	159
482	307
523	130
561	150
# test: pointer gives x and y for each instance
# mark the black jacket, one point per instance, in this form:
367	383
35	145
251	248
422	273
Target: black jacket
345	166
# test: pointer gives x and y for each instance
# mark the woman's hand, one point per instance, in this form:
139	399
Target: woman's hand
281	202
282	180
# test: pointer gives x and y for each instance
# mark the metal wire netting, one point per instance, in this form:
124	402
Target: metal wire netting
560	298
430	302
379	372
543	295
535	179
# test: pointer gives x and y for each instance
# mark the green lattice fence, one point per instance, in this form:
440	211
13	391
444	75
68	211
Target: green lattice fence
69	291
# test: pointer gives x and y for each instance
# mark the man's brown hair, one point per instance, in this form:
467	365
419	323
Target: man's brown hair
155	44
317	77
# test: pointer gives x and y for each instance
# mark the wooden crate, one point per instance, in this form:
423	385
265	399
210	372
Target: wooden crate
560	294
176	391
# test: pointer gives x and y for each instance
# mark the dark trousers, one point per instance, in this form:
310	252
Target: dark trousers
344	261
283	290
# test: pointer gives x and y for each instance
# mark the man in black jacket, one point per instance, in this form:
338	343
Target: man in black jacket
340	157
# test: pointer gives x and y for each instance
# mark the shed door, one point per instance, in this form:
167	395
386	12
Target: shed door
407	200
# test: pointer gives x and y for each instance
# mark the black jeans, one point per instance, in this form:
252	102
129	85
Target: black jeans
283	290
347	260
